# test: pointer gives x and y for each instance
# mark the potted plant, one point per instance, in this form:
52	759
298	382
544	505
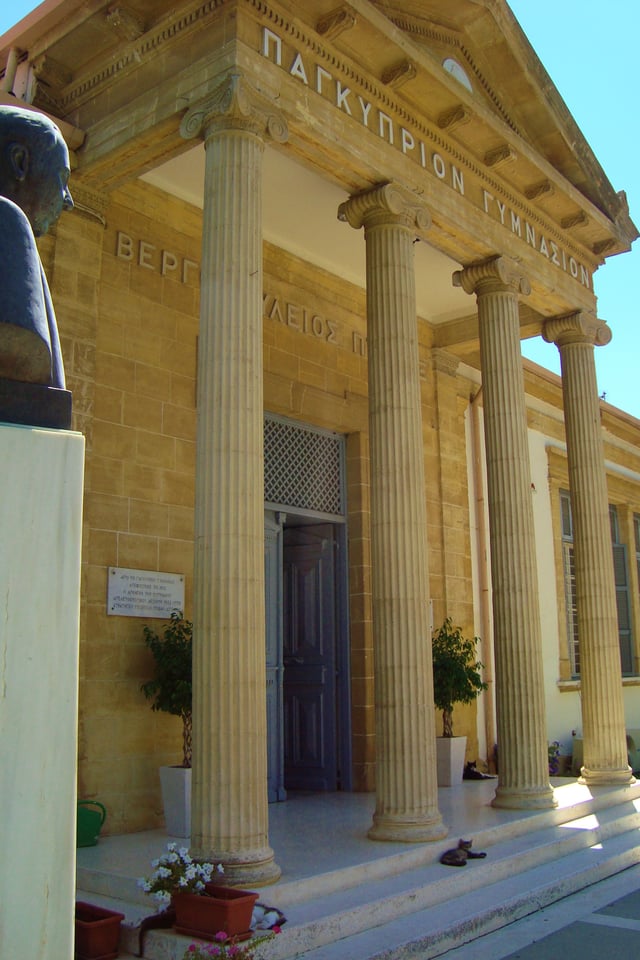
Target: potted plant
226	947
202	908
97	932
170	691
456	679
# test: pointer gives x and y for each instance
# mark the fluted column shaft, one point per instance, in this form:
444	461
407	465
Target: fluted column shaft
229	790
406	783
523	778
603	723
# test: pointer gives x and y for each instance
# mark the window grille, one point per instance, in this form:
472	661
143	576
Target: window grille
304	467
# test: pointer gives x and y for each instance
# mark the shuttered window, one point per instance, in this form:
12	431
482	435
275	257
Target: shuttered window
636	528
621	577
569	571
620	571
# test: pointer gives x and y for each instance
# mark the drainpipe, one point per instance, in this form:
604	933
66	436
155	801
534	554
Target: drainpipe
6	84
484	578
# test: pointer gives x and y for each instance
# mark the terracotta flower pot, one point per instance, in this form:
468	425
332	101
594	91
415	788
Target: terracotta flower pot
218	908
97	932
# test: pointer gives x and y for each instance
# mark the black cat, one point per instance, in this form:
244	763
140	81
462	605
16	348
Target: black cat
458	856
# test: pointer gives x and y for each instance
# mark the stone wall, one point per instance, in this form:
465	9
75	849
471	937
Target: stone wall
125	279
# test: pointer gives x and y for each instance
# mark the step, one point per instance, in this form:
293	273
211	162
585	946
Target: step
377	903
432	932
557	858
112	883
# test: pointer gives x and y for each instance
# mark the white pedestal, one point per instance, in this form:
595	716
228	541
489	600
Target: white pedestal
41	524
450	753
176	799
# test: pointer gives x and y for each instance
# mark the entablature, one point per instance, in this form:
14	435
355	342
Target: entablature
367	99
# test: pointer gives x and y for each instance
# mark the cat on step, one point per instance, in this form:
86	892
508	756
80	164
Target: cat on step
458	856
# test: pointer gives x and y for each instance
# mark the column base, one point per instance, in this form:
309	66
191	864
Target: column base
404	830
535	798
623	776
242	869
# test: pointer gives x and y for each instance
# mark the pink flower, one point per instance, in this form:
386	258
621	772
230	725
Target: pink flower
221	936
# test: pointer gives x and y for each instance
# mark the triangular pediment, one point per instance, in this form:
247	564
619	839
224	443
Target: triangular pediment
481	44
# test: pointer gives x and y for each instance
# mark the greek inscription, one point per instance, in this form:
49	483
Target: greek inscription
344	98
359	344
299	317
147	255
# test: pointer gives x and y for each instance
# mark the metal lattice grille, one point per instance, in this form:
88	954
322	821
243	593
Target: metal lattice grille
303	467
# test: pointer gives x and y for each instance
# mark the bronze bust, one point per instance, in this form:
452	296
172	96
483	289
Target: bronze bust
34	175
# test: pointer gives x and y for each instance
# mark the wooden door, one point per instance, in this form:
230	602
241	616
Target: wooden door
309	656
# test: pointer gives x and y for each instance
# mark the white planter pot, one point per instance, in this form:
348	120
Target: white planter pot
176	798
450	753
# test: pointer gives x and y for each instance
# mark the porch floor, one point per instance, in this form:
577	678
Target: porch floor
316	835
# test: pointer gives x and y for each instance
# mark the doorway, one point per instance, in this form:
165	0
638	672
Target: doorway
306	600
309	734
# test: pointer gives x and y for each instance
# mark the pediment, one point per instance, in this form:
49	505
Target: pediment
486	50
441	31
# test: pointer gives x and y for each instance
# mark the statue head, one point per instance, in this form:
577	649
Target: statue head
34	166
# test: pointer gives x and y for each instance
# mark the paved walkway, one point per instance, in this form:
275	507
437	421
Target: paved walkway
599	922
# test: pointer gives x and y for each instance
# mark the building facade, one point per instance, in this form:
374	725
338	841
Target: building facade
307	243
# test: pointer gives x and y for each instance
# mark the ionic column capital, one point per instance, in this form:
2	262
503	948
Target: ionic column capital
388	203
235	104
577	327
490	276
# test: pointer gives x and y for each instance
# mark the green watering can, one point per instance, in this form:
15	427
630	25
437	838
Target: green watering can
91	816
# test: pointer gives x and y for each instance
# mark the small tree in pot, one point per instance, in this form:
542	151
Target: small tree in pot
456	672
170	692
170	689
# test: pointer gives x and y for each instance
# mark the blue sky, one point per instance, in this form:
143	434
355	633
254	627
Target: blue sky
591	56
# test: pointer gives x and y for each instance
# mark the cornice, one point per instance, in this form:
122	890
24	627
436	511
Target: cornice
88	202
334	23
132	54
444	362
436	134
430	33
308	40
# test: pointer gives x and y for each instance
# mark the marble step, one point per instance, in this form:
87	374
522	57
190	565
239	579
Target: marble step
433	931
118	885
555	859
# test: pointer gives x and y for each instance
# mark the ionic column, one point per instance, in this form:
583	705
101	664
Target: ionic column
523	777
229	798
406	787
603	723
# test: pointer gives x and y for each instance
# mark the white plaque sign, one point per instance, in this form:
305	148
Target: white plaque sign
144	593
